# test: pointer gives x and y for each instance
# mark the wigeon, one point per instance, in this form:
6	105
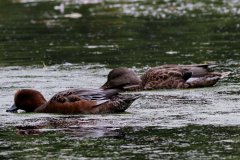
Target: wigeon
88	101
164	77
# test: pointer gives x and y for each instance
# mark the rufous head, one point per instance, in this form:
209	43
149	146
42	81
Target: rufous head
28	100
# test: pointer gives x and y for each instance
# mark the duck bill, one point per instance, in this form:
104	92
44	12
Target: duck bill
105	86
13	108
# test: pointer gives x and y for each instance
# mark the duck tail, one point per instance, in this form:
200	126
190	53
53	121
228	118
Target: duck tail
205	82
211	66
208	80
124	101
131	97
118	103
224	74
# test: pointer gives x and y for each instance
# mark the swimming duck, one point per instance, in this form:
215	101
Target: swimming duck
164	77
90	101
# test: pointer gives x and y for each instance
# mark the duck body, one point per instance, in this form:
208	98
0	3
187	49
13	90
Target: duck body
73	101
164	77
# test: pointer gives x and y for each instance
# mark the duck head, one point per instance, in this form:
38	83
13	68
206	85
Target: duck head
122	78
28	100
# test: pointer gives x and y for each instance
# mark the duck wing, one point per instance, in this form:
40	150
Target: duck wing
180	76
72	95
198	70
88	101
118	103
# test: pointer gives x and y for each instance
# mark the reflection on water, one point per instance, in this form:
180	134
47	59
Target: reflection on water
190	142
70	124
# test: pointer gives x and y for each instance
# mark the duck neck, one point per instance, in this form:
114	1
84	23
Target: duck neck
41	108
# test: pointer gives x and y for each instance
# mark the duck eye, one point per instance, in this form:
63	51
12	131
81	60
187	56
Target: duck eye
20	98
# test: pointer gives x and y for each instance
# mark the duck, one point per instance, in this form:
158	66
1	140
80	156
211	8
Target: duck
164	77
73	101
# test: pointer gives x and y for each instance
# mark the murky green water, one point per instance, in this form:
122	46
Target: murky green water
81	43
119	33
191	142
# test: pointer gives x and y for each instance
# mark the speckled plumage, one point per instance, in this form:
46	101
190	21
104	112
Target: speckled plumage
164	77
90	101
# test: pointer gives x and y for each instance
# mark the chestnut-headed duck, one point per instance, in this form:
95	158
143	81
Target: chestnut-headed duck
164	77
88	101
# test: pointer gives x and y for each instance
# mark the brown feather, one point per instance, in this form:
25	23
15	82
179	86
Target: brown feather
164	77
90	101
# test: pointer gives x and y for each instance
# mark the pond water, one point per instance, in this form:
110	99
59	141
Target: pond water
52	46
